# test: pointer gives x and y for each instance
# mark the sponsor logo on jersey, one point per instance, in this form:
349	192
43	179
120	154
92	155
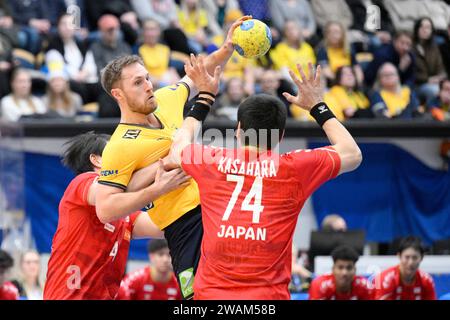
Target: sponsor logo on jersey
131	134
109	227
127	235
149	287
106	173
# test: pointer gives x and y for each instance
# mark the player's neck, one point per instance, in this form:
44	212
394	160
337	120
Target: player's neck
407	279
344	289
140	119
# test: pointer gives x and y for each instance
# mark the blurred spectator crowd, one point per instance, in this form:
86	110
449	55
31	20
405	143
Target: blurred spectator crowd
380	58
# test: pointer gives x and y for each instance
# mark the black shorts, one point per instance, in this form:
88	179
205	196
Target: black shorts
184	237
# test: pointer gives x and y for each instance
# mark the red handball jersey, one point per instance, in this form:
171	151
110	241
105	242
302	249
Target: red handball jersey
139	285
388	286
9	292
250	205
88	257
324	288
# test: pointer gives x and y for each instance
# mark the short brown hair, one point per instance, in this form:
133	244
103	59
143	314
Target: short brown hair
113	70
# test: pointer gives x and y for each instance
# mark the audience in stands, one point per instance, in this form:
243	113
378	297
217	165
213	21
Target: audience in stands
335	51
59	98
439	107
334	222
429	66
332	10
345	98
20	102
156	56
28	284
391	99
400	54
194	22
8	291
227	104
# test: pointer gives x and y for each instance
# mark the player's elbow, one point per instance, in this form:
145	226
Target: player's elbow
358	157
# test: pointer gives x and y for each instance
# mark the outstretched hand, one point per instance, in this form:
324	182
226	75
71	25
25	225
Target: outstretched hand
196	70
310	90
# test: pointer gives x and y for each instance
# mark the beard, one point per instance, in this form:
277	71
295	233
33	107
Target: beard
146	107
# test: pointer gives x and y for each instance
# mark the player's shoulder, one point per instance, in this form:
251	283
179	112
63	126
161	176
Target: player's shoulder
180	86
83	178
425	277
324	280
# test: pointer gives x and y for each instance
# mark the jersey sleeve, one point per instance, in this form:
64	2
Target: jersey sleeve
171	101
314	167
383	287
124	292
84	182
117	170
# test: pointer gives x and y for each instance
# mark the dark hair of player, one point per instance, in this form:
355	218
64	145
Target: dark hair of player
411	242
6	261
156	245
345	253
76	156
263	111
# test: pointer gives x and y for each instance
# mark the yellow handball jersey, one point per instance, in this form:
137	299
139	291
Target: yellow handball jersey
133	147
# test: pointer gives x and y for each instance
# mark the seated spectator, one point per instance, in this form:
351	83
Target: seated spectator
228	102
292	50
429	66
400	54
272	84
194	22
154	282
445	51
216	10
165	12
405	281
33	19
156	56
59	98
237	66
334	222
392	100
20	102
29	285
342	283
257	9
298	11
109	47
344	98
336	52
66	51
337	10
8	291
439	107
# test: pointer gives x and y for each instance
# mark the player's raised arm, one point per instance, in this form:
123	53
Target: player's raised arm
208	86
218	58
310	98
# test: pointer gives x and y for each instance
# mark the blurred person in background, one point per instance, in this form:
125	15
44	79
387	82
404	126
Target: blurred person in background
59	98
228	102
298	11
156	56
400	54
20	102
430	69
334	222
405	281
342	283
445	50
292	50
65	51
194	22
272	84
439	107
391	99
335	52
154	282
345	98
8	291
28	283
